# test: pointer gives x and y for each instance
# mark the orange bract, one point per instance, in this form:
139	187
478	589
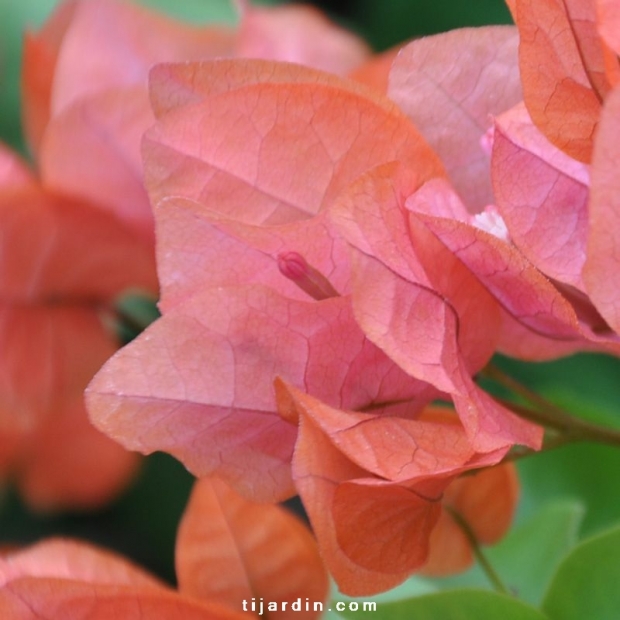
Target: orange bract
235	205
567	70
486	502
62	264
373	487
222	536
559	211
85	234
246	550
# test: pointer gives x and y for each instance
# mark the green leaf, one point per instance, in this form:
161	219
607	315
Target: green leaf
586	583
454	605
528	556
584	472
414	586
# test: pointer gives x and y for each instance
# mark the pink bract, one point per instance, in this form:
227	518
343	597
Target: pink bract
225	222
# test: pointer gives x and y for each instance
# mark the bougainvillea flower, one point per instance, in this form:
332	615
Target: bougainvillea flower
85	110
292	246
85	77
374	485
485	501
541	192
228	551
85	92
559	213
567	69
63	263
260	230
417	249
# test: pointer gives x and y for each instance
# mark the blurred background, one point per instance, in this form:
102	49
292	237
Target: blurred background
382	24
142	523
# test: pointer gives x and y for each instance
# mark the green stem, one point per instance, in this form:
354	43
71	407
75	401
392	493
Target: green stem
550	443
547	414
486	566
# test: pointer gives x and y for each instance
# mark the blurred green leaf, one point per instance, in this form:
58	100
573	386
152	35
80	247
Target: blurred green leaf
587	473
455	605
415	586
528	556
197	11
586	583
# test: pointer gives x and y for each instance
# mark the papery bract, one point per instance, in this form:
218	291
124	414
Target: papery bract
200	379
90	96
601	268
62	264
553	214
80	60
108	127
542	194
329	126
486	502
449	85
246	551
372	485
244	209
69	579
438	318
566	70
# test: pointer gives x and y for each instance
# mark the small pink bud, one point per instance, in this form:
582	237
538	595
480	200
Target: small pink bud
293	266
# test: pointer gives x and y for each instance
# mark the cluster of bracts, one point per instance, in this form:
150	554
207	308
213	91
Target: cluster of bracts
339	242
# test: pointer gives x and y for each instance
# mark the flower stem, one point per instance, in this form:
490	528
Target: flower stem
549	415
482	559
